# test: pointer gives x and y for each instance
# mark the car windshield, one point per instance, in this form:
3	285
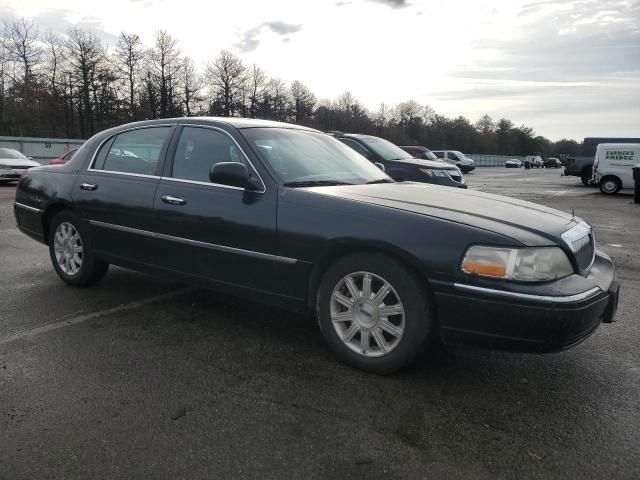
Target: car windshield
301	157
384	148
11	153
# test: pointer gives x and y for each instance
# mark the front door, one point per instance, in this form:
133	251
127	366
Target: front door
115	192
221	233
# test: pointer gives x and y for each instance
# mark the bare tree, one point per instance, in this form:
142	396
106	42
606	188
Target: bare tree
256	84
165	65
191	85
21	45
128	56
226	76
303	102
84	52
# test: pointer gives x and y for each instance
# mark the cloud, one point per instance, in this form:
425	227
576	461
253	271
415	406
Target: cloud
57	21
250	40
393	3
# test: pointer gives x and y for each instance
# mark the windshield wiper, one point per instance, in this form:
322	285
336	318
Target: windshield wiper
381	180
315	183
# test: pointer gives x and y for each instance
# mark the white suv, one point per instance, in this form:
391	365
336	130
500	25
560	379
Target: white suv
457	158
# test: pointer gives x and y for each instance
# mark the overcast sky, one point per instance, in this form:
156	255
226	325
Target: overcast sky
566	68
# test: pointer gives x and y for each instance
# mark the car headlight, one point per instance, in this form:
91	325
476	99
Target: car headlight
520	264
433	172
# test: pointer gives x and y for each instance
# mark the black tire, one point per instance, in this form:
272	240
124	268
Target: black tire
418	316
586	178
610	185
91	270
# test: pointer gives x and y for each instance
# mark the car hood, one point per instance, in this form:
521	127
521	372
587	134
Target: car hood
529	223
18	162
435	164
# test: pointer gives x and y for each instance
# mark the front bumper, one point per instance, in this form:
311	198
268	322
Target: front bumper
551	317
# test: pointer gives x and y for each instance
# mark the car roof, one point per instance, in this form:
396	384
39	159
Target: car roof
415	147
236	122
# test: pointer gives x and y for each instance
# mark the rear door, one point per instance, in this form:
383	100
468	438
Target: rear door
115	192
218	232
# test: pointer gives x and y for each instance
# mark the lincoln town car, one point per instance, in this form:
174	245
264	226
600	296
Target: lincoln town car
290	216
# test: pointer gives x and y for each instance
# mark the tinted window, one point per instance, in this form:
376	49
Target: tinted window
201	148
438	154
136	151
356	146
384	148
453	156
300	156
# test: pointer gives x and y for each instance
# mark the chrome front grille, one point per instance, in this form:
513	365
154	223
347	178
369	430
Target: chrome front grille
582	244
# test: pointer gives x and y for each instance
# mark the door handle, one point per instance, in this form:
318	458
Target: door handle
88	186
173	200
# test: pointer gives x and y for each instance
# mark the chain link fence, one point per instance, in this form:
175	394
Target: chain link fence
492	160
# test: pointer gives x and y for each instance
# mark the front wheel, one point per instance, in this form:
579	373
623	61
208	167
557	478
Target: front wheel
373	313
71	253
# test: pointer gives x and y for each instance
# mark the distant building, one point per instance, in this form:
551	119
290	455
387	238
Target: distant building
590	144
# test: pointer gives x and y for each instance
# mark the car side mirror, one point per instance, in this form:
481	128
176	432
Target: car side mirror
379	165
234	174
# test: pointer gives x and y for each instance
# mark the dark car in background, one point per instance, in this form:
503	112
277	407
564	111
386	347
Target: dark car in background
287	215
418	151
401	165
552	162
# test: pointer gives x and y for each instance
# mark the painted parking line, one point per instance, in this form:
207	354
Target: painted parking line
76	318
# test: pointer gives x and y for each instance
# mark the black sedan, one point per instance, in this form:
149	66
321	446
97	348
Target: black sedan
290	216
401	165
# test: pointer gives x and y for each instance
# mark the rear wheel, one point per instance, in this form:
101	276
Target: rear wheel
586	177
71	253
610	185
373	313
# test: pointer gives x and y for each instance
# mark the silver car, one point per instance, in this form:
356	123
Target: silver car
13	164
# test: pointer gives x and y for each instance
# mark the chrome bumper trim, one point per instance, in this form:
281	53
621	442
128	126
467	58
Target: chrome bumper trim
197	243
525	296
27	207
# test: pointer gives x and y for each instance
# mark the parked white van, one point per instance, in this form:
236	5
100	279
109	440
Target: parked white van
534	160
612	166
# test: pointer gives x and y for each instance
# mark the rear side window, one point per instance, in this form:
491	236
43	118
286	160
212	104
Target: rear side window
438	154
199	149
135	151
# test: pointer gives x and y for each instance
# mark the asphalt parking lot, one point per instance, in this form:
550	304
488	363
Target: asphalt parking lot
140	377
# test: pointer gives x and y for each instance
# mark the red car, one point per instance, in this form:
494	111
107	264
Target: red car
64	158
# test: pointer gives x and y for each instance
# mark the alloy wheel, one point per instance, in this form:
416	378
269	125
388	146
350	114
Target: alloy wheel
67	246
367	314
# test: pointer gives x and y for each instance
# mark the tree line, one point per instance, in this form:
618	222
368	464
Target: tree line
74	85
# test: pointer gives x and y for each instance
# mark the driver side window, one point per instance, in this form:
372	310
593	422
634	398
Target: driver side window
135	151
201	148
